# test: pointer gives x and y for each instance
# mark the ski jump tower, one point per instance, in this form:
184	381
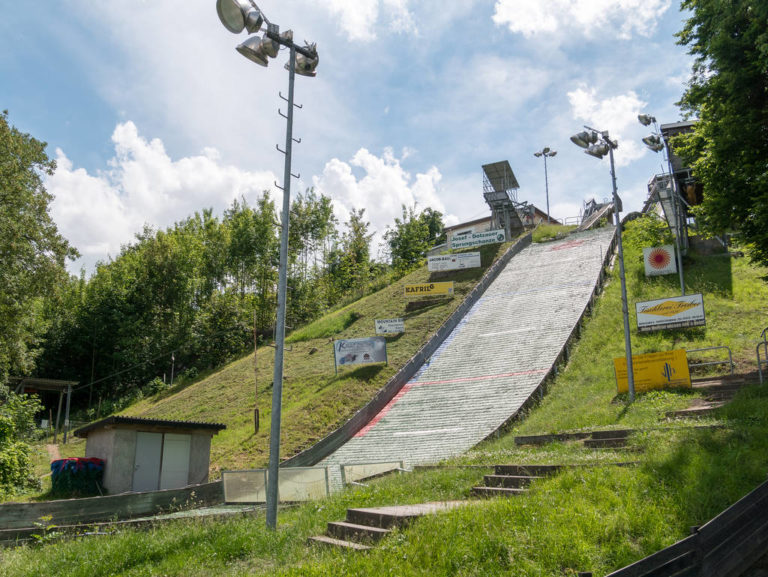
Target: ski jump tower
500	192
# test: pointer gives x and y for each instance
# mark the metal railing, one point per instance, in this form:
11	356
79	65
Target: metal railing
764	360
729	362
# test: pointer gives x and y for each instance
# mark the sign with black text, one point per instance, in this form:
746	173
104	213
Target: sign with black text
389	326
453	261
670	313
478	239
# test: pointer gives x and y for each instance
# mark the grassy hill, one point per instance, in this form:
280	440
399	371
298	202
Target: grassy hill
594	519
316	400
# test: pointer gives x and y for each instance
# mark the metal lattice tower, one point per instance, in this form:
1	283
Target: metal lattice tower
500	192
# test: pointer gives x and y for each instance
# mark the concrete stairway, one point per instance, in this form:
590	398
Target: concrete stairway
512	480
717	392
366	526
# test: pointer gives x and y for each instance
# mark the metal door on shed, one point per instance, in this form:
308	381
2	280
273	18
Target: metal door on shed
174	472
146	467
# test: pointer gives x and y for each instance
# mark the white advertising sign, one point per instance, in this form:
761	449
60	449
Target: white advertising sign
478	239
670	313
389	326
453	261
360	351
659	260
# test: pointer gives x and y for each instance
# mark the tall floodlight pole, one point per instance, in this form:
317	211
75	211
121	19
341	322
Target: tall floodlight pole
656	143
546	152
237	15
588	141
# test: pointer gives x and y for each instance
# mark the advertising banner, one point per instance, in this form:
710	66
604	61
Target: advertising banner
478	239
360	351
429	289
453	261
654	371
389	326
659	260
670	313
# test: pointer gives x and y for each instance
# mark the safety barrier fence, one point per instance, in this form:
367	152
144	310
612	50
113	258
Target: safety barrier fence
294	485
726	546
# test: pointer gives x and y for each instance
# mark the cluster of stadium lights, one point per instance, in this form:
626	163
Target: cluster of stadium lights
239	15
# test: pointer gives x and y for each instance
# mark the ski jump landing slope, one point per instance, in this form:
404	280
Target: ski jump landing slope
492	362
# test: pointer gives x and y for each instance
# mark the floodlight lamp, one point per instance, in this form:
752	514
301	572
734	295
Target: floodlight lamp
305	65
253	51
553	153
537	154
598	150
584	138
646	119
545	150
236	15
653	141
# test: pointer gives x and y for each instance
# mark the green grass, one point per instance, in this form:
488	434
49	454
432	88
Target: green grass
547	232
596	518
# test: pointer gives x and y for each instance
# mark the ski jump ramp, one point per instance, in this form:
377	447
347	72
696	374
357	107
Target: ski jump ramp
495	359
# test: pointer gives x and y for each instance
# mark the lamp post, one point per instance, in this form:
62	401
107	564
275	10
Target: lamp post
589	141
237	15
546	152
656	143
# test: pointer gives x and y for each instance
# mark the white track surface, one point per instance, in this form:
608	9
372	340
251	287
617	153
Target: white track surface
491	363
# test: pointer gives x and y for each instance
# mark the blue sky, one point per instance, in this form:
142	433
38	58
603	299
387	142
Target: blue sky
152	114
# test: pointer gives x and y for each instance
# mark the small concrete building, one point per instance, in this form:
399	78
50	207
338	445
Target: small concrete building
150	454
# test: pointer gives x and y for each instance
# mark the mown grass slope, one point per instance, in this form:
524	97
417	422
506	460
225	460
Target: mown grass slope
316	400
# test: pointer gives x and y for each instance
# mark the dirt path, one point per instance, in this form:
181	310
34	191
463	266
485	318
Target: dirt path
53	452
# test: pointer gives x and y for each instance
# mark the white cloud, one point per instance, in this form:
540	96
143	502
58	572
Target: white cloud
381	190
99	213
626	17
615	114
359	18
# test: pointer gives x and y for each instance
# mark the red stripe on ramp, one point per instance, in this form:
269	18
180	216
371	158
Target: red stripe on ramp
408	386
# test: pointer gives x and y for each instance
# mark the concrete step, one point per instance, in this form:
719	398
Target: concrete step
605	443
527	470
614	434
353	532
326	541
397	516
549	438
703	410
497	491
513	481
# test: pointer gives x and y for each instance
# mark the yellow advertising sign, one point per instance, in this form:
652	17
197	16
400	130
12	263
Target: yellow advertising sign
429	289
654	371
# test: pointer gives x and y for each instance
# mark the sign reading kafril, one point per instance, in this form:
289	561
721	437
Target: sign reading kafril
453	261
478	239
389	326
671	313
360	351
429	289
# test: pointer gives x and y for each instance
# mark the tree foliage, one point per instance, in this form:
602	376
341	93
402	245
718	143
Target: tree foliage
32	252
728	92
412	236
